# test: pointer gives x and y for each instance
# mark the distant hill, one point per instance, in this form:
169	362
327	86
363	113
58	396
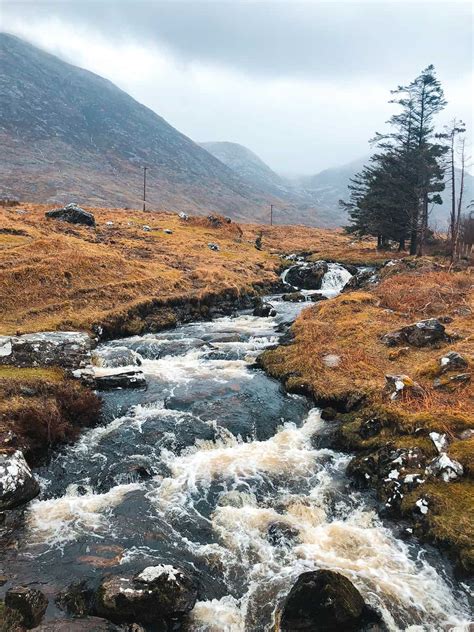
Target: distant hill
69	135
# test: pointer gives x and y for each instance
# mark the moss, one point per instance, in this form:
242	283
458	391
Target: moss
28	374
450	518
463	451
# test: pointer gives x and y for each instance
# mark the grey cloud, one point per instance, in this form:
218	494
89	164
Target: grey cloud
305	40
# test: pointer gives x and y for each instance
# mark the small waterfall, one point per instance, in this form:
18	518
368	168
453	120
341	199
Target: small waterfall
334	280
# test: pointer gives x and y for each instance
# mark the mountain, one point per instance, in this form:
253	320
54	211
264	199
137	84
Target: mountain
326	188
248	166
69	135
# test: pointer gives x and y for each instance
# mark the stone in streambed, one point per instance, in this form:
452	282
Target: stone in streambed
155	594
17	483
325	601
86	624
294	297
114	357
307	277
27	603
128	379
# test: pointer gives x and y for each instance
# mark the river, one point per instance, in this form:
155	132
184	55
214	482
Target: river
216	469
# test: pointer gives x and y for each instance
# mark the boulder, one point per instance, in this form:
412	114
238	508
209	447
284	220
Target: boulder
184	216
213	246
452	361
69	349
29	604
167	231
325	601
450	383
127	379
146	228
264	310
316	298
17	483
73	214
113	357
214	221
399	385
445	468
360	279
156	593
307	276
420	334
85	624
294	297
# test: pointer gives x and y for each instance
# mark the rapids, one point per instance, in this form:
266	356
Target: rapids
196	469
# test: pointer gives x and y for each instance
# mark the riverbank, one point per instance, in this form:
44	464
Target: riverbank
133	264
338	356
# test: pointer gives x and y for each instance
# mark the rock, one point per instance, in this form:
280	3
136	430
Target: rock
466	434
183	216
316	298
281	534
86	624
69	349
399	385
264	310
420	334
114	357
73	214
167	231
77	599
213	246
328	414
228	220
157	593
325	601
237	499
440	441
450	383
127	379
17	483
146	228
31	604
307	276
444	467
360	279
214	221
370	428
294	297
109	223
452	361
332	360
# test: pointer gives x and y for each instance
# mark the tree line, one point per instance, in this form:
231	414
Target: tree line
391	198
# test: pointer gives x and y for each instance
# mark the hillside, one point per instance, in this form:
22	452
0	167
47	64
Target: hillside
67	133
54	275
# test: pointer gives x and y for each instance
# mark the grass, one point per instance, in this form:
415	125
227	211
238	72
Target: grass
350	326
55	275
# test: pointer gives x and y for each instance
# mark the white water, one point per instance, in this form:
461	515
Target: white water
282	478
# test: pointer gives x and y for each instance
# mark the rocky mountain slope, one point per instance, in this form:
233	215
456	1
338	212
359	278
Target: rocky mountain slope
68	134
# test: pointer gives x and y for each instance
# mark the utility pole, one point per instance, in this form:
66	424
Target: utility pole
271	214
144	187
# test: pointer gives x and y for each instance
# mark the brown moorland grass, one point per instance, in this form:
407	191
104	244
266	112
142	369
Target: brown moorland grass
54	275
350	326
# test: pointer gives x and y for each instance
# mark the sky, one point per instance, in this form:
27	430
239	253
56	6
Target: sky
304	85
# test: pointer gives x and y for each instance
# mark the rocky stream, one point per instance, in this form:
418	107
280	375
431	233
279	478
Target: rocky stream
208	477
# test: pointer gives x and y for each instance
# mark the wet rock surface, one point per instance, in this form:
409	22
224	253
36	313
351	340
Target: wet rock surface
29	604
325	601
17	483
308	277
69	349
127	379
114	357
85	624
73	214
156	593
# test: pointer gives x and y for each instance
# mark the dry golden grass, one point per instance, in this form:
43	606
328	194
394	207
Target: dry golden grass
55	275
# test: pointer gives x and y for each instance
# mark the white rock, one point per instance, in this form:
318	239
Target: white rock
5	345
445	468
440	441
422	506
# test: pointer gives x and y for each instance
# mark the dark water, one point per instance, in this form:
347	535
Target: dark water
197	469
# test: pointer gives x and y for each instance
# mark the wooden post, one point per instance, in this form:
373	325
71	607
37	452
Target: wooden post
271	214
144	187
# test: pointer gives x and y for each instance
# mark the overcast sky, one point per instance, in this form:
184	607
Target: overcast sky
304	85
